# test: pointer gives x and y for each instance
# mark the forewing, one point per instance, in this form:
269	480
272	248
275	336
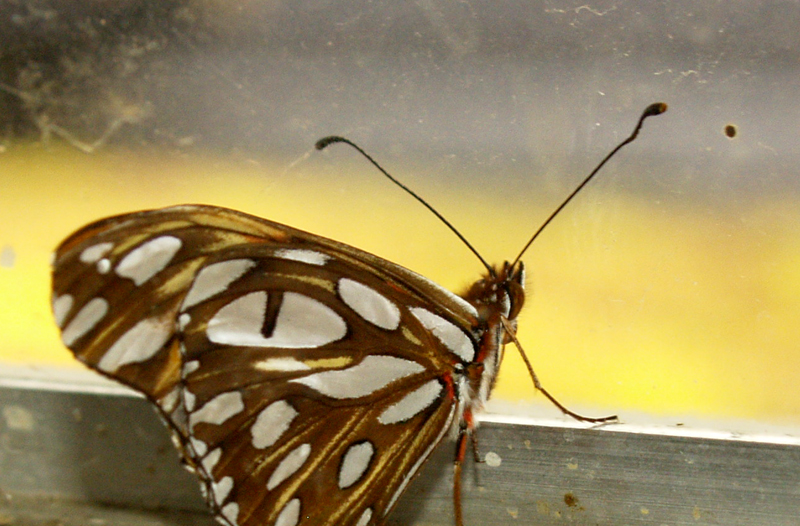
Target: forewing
295	370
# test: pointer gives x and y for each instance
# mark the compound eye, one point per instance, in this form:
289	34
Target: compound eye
516	296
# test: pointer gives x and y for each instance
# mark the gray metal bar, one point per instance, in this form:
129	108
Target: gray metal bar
102	446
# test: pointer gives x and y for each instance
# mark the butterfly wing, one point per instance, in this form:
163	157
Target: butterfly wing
302	377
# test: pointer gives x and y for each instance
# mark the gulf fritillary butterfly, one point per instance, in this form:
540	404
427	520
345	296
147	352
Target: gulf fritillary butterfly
305	381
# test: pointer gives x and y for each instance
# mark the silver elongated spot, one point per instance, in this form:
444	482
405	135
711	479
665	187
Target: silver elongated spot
451	336
214	279
147	260
86	319
371	374
140	343
355	463
461	302
365	517
422	458
93	253
411	404
369	304
292	462
302	255
61	307
271	423
302	323
218	409
290	514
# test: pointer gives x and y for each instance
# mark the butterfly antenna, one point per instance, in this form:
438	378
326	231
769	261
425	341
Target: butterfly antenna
656	108
327	141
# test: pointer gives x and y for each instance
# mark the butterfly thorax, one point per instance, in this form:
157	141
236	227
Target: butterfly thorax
498	298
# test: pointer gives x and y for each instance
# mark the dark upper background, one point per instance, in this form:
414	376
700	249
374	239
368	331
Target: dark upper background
518	87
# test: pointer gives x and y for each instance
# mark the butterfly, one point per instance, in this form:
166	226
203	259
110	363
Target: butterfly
305	381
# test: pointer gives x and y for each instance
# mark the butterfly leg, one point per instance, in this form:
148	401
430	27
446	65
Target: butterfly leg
461	452
539	387
466	436
473	438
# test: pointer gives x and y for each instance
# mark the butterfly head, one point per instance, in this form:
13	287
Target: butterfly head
500	292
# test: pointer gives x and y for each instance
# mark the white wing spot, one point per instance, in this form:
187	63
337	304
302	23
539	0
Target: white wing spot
369	304
140	343
271	423
61	307
215	278
289	465
221	489
189	399
183	320
218	409
411	404
211	460
200	448
290	514
169	401
451	336
95	252
103	266
355	463
304	256
231	512
362	379
365	517
190	367
147	260
89	316
302	323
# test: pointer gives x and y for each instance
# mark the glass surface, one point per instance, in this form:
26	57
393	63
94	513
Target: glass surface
670	287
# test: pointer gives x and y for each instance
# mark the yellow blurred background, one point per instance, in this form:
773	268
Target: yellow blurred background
634	304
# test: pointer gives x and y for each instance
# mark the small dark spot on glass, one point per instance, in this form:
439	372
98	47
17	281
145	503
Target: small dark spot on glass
570	500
